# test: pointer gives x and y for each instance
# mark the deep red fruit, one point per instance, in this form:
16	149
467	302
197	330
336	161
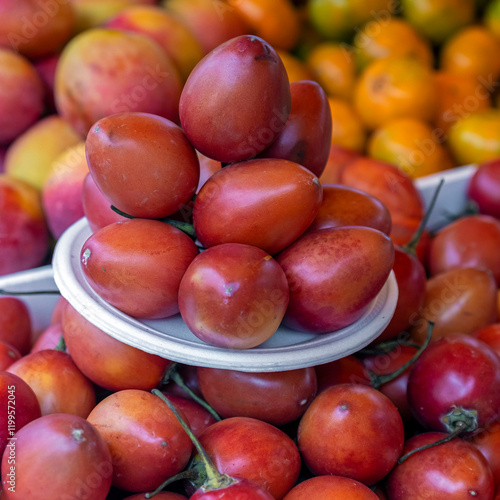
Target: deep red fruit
306	137
351	430
334	274
455	470
236	100
484	188
455	381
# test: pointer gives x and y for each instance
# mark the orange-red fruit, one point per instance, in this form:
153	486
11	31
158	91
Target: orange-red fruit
137	266
142	163
264	202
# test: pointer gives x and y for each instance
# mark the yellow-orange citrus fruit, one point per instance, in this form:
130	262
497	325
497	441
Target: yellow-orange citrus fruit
412	145
473	51
296	69
337	19
458	96
491	17
334	68
347	128
437	20
476	138
395	87
396	37
277	22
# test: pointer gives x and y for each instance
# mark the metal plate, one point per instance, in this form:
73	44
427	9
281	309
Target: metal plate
171	338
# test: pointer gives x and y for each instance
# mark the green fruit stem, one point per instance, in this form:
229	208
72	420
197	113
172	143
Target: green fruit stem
215	479
377	380
185	227
411	246
61	345
173	374
461	426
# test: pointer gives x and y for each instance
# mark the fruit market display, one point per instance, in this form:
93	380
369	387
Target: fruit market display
247	165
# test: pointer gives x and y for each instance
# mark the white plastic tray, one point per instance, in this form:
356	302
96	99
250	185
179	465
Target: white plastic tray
452	199
274	354
170	338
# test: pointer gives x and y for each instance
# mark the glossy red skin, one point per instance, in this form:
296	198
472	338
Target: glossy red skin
348	369
18	404
233	295
243	489
199	418
266	202
274	397
137	266
455	371
57	382
15	323
347	206
488	443
306	137
330	488
249	448
49	338
411	278
484	188
119	146
451	471
395	390
450	250
8	354
102	72
107	362
457	301
96	207
146	441
59	455
334	274
489	334
391	185
236	100
351	430
24	236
